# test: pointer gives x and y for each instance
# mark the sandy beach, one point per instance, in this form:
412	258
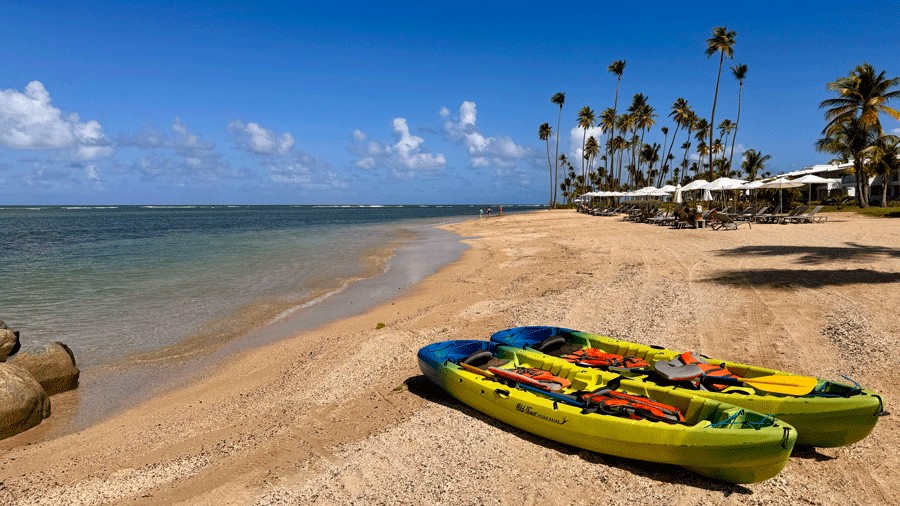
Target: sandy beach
340	414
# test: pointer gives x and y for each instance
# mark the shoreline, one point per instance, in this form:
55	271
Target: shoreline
340	413
110	388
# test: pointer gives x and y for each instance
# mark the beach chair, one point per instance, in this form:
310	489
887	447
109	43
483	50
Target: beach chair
809	217
659	219
722	221
775	218
752	215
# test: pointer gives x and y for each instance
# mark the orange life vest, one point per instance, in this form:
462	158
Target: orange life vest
635	407
593	357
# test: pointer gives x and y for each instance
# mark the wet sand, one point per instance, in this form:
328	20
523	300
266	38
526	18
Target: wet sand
340	414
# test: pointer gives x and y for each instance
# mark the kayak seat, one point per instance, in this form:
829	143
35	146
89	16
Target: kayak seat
557	346
483	359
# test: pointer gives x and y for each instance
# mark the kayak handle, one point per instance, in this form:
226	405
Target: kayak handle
502	392
881	411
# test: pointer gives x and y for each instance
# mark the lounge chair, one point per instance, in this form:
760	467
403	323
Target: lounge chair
752	215
722	221
775	218
657	220
809	217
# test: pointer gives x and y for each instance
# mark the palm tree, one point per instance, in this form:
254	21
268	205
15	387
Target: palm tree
690	122
624	124
586	120
722	42
851	140
608	123
664	168
862	96
725	128
618	68
591	150
558	99
886	161
544	132
754	162
650	154
681	113
740	72
644	118
703	130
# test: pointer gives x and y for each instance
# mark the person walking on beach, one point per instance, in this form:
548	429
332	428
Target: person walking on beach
481	213
501	211
489	212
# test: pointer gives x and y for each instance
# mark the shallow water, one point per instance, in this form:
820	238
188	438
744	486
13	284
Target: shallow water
112	282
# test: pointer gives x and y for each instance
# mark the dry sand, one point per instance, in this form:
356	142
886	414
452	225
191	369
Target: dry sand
341	414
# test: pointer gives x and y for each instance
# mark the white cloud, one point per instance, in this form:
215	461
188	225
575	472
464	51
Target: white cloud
194	158
896	131
256	139
29	121
575	137
92	174
500	152
406	157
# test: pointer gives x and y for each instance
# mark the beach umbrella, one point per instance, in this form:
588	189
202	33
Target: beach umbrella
723	183
706	195
694	185
812	179
781	183
678	197
751	185
669	188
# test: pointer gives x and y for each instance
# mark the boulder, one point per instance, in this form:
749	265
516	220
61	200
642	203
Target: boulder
23	403
52	365
9	344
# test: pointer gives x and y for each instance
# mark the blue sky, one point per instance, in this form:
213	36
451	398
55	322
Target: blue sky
404	102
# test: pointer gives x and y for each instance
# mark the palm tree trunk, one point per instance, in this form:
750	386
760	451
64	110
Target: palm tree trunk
712	116
556	173
861	199
550	164
737	123
641	148
612	131
684	160
583	140
674	136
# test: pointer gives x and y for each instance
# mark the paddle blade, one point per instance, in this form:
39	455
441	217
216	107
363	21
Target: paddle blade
782	384
476	370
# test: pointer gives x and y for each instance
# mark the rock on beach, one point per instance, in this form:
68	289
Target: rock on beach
23	402
9	342
53	366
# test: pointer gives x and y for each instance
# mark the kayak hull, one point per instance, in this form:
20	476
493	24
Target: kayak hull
734	453
831	418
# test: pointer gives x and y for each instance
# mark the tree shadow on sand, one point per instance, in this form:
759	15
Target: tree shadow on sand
816	278
812	255
422	387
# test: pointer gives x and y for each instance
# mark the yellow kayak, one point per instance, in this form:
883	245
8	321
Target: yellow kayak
599	411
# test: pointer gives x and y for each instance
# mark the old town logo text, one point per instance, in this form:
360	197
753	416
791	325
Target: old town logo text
528	411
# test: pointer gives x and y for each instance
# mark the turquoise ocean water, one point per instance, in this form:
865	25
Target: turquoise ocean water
111	281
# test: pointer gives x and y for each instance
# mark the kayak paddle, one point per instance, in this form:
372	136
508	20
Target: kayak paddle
775	383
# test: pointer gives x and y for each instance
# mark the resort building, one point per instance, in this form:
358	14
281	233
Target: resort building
847	185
